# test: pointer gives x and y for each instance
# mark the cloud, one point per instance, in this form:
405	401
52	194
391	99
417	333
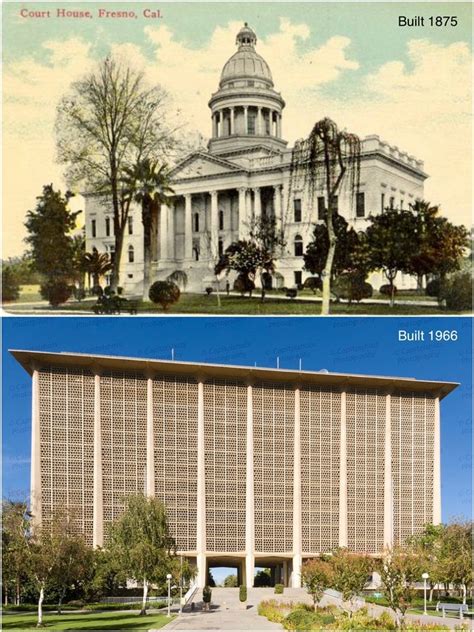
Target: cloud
423	104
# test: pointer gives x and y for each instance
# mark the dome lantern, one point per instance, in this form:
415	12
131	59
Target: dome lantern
246	37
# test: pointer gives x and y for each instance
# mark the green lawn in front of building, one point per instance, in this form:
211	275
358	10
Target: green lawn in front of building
129	620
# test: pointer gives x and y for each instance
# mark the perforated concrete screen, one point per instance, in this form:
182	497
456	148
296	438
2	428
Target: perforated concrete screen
253	465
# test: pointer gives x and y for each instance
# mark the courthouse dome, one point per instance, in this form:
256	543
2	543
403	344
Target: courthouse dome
246	63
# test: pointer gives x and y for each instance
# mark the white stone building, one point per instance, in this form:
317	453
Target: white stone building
256	466
245	172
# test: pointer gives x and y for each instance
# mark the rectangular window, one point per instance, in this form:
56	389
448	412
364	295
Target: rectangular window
392	202
93	228
130	225
298	277
401	204
220	245
321	207
382	202
221	220
360	204
107	226
297	209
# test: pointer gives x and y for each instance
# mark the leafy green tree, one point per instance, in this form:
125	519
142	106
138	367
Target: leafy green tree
105	576
165	293
456	555
230	581
428	545
10	284
15	527
325	160
111	121
391	240
400	569
141	541
149	185
317	575
351	574
263	578
49	236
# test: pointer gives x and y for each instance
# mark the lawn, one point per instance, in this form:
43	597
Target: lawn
418	604
190	303
93	621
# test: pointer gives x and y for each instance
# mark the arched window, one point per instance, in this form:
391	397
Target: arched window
298	245
196	222
221	220
131	254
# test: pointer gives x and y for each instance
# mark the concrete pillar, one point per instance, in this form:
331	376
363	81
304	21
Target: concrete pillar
285	573
297	535
35	476
388	489
249	497
214	223
277	206
150	443
98	508
343	475
214	125
244	219
258	203
201	494
246	120
437	467
232	120
163	232
278	125
259	130
188	227
171	230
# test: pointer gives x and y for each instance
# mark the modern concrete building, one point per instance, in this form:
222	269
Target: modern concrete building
246	173
256	466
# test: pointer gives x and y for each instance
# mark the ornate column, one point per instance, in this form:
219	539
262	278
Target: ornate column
437	467
277	206
278	125
214	222
163	232
297	536
246	120
188	227
201	493
259	122
98	510
249	496
258	203
35	480
243	215
343	475
150	441
171	230
388	491
232	120
214	125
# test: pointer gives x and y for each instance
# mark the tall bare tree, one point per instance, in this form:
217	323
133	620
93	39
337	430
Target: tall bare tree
111	121
322	161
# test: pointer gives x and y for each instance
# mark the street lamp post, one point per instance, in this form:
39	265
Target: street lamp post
181	585
425	576
168	579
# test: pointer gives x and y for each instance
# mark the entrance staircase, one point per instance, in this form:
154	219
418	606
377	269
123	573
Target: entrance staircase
228	598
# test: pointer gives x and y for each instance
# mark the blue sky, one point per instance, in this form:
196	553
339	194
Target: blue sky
357	345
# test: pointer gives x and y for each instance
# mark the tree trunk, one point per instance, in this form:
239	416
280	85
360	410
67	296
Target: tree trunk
18	592
115	277
262	294
329	261
464	593
61	597
419	284
431	592
6	595
146	220
40	607
145	595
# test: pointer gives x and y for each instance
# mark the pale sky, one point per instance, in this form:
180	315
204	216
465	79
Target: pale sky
352	62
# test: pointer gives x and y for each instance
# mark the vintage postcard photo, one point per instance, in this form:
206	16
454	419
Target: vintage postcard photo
237	158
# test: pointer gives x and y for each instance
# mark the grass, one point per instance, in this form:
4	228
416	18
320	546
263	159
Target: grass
418	605
29	294
94	621
190	303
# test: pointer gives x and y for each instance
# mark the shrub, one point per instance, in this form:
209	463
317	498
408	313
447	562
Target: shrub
313	283
433	287
352	287
209	290
457	291
56	292
292	292
165	293
243	593
120	290
386	290
304	619
279	588
97	290
10	285
243	284
108	291
274	610
206	594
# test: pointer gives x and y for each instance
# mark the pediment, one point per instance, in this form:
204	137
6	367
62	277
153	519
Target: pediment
200	165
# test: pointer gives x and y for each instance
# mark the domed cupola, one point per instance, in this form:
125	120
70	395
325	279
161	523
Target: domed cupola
246	109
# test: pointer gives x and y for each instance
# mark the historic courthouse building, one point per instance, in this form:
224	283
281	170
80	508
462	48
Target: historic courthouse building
246	173
256	466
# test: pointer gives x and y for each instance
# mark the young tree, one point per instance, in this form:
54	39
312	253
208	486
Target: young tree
108	123
96	264
141	542
150	187
15	527
428	546
391	240
400	569
317	575
10	284
351	575
324	161
50	240
269	239
231	581
456	555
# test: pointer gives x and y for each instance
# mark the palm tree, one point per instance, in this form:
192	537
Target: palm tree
150	186
97	264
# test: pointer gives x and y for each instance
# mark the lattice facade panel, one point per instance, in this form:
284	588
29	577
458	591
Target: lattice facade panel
320	422
66	419
123	416
412	429
365	428
225	449
273	432
175	423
